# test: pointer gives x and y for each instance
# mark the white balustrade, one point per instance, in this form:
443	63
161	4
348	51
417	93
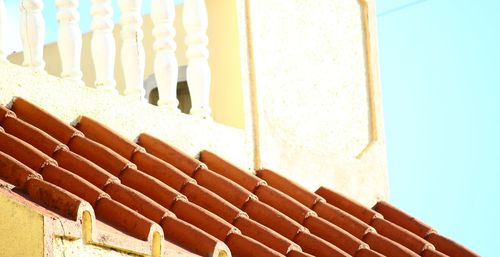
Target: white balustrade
69	39
198	75
3	28
165	63
103	44
132	51
32	27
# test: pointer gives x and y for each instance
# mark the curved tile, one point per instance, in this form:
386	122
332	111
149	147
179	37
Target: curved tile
333	234
433	253
84	168
161	170
386	246
210	201
99	154
266	236
225	188
402	219
245	179
342	219
53	197
14	172
31	135
203	219
5	112
318	247
43	120
241	245
289	187
124	218
190	237
271	218
102	134
24	152
400	235
137	201
170	154
283	203
73	183
364	252
295	253
449	247
151	187
349	205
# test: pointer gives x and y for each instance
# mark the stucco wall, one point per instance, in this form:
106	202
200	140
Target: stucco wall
128	117
318	115
226	96
21	229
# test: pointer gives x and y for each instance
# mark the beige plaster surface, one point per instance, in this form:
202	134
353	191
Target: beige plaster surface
128	117
316	97
226	96
21	229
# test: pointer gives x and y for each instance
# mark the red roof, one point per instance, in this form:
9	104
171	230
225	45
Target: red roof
197	202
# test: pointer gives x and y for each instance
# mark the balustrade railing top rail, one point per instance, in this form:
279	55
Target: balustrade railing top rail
195	21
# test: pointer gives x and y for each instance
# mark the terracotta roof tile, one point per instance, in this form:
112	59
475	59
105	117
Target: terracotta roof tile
316	246
161	170
295	253
264	235
189	236
14	172
137	201
122	217
230	171
73	183
386	246
211	202
400	235
227	189
32	135
349	205
84	168
153	188
433	253
448	246
333	234
272	218
5	112
43	120
203	219
290	188
401	218
99	132
53	197
170	154
367	253
245	246
283	203
99	154
198	208
342	219
24	152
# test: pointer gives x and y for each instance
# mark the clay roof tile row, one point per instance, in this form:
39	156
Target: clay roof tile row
200	204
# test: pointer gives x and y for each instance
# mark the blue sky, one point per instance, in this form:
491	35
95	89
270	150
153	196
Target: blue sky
440	68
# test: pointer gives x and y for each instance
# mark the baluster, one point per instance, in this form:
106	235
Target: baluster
198	72
32	26
69	39
132	52
3	27
165	63
103	44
